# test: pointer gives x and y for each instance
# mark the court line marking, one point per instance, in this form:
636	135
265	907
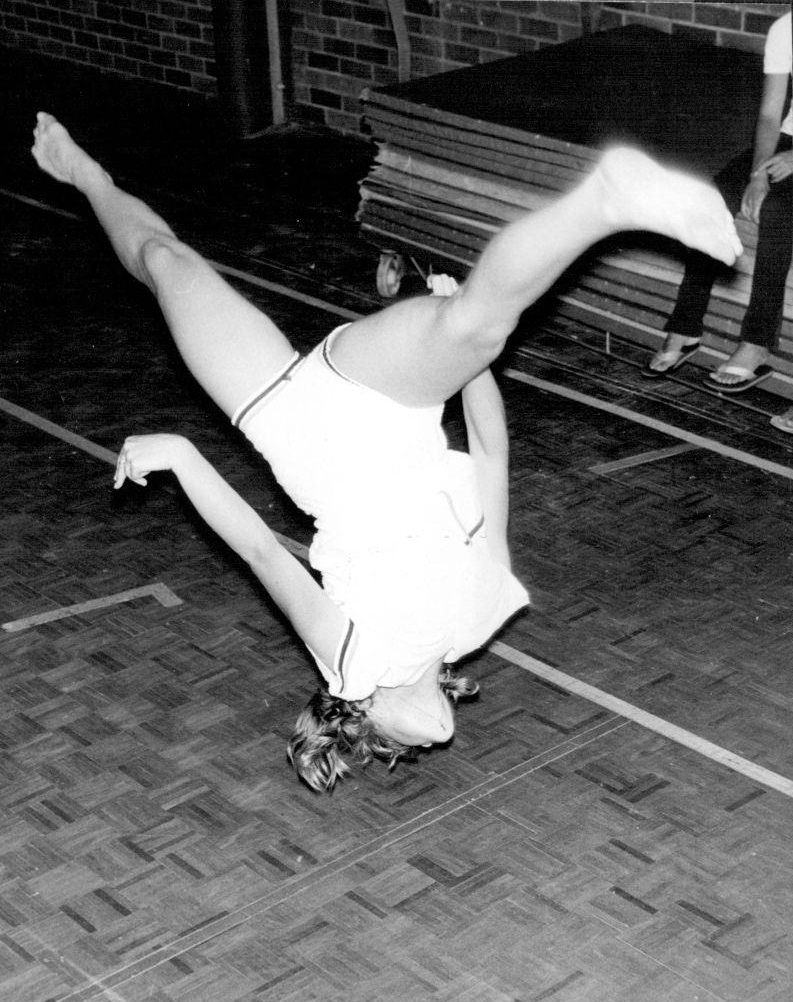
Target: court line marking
159	591
642	458
30	417
40	205
668	429
100	452
566	682
224	269
284	290
649	721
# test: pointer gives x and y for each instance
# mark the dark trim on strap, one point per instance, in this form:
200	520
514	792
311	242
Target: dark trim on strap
263	394
343	651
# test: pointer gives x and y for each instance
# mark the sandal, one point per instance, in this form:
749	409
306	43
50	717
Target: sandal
675	356
749	377
784	422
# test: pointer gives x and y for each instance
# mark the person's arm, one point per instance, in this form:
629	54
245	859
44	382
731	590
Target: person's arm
766	139
488	445
317	621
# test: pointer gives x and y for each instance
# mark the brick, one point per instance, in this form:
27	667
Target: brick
746	43
338	46
151	39
61	33
86	40
517	44
160	58
539	29
498	20
478	37
758	24
352	68
720	17
173	43
189	29
372	54
178	78
325	98
337	8
466	55
190	64
704	35
371	15
559	10
323	61
673	11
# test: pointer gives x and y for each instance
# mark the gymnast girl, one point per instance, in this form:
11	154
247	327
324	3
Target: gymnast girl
411	536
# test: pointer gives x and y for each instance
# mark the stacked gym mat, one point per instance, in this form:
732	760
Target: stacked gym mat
461	153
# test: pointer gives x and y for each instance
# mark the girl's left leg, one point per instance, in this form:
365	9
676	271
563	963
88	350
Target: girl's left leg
231	348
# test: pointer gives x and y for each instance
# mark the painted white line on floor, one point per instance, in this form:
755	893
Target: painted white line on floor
642	458
665	728
284	290
159	591
668	429
224	269
39	205
100	452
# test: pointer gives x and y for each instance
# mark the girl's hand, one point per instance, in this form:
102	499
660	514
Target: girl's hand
442	285
144	454
779	166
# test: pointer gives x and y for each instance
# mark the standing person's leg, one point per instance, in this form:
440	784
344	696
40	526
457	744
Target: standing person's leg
422	351
230	347
684	326
772	261
773	255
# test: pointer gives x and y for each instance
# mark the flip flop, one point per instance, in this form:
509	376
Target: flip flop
784	422
751	377
680	358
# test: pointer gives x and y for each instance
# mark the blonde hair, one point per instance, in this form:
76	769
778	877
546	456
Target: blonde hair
330	728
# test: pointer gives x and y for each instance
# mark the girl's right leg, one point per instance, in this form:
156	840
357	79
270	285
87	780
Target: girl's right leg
231	348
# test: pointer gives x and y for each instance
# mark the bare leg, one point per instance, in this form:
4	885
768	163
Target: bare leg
230	347
422	351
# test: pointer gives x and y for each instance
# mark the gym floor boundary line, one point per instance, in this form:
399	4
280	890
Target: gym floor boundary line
649	721
667	429
106	455
574	686
642	458
623	412
159	591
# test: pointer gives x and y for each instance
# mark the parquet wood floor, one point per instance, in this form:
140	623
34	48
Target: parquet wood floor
154	844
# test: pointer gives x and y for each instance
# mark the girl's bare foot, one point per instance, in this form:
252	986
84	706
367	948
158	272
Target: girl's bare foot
640	194
59	156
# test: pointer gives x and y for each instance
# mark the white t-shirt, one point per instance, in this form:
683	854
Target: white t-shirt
401	541
778	58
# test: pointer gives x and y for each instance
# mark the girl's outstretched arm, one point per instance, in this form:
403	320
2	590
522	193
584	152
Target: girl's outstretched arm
317	621
488	444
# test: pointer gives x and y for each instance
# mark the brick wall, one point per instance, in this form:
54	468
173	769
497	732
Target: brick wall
339	47
165	41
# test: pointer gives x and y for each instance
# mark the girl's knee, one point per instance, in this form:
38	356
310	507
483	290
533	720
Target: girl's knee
163	258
